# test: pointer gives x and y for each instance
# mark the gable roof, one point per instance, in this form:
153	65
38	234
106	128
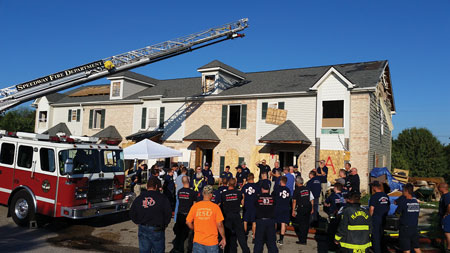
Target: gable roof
135	76
363	75
219	64
204	133
109	133
59	128
287	132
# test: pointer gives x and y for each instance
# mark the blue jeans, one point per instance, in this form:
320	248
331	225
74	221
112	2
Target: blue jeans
151	240
199	248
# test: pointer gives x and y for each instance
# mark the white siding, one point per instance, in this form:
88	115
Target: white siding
42	106
174	117
332	88
60	115
300	110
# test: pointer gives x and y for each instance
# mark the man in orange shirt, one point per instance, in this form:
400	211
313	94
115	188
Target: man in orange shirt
205	218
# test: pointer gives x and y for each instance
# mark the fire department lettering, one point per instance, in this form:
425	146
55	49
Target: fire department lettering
148	201
284	194
250	190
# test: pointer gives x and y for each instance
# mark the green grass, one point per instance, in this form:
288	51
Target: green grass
365	199
430	205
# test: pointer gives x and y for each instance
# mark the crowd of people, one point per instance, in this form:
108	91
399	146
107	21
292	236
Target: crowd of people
217	219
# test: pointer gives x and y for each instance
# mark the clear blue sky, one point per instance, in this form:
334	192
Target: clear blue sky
41	37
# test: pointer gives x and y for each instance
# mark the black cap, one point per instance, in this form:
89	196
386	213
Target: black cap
238	167
375	183
207	164
265	185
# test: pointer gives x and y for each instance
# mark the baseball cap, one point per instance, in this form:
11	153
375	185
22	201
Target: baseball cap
265	185
208	189
243	163
206	164
341	181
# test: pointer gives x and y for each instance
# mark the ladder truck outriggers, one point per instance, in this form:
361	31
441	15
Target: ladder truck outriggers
70	176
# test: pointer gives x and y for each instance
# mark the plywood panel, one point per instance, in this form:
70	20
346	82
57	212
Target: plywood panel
276	116
256	156
334	161
232	159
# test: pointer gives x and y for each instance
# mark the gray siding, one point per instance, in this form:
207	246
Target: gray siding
379	144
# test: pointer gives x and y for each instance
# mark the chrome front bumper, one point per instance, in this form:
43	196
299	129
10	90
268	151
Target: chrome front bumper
95	210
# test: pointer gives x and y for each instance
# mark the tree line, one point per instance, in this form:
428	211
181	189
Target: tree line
420	152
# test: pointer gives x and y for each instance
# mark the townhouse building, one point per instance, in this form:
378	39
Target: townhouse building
337	113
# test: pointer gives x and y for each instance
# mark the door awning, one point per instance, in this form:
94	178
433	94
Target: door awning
287	132
203	134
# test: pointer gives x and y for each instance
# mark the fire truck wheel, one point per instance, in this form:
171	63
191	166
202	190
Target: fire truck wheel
22	208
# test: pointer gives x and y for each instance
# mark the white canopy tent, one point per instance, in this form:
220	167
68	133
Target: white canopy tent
147	149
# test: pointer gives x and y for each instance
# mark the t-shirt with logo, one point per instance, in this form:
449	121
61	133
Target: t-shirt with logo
314	185
265	206
205	215
409	212
336	201
231	201
226	175
186	198
240	176
151	208
380	202
282	196
209	176
303	197
250	190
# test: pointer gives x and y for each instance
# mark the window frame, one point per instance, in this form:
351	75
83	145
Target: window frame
94	119
18	157
120	94
40	116
343	115
14	154
156	118
54	161
229	116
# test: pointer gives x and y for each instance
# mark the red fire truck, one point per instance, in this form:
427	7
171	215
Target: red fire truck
59	176
75	177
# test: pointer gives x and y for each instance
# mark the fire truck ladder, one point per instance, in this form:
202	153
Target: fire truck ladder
15	95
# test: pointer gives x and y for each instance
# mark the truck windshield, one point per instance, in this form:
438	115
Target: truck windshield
92	160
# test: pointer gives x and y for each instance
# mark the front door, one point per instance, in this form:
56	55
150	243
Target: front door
207	157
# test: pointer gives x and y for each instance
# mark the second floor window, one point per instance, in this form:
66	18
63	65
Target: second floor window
234	116
97	118
115	91
333	113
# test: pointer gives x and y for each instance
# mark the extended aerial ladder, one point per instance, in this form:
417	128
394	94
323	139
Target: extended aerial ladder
20	93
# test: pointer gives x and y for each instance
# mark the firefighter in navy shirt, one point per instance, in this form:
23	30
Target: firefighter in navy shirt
263	167
226	174
152	212
207	173
333	204
282	195
302	202
314	185
186	198
249	192
409	209
265	221
231	201
378	208
198	183
444	211
245	169
264	178
276	168
241	178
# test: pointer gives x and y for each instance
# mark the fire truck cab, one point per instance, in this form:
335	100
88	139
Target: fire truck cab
59	176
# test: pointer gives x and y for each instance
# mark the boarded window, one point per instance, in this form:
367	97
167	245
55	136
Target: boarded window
116	89
234	119
25	157
333	113
7	153
47	158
